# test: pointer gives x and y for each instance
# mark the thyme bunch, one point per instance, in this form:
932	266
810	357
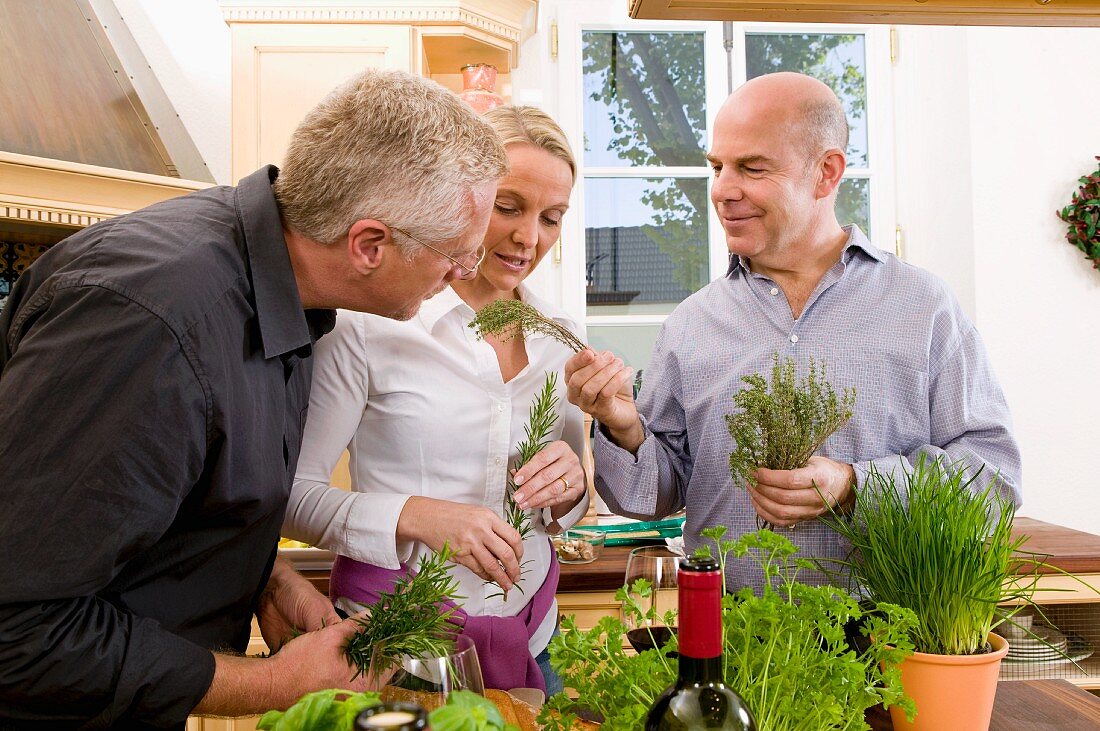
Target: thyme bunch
412	618
781	425
510	319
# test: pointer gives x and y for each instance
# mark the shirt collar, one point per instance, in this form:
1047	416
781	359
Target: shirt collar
857	241
284	326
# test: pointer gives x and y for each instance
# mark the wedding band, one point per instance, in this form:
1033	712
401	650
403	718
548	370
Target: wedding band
564	482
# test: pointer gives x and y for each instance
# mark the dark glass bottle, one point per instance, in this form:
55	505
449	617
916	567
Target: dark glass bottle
699	699
393	717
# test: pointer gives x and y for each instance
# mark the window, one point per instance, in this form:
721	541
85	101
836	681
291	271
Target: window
643	99
840	60
645	171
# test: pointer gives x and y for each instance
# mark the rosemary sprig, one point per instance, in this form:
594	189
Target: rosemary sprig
510	319
540	422
781	426
412	619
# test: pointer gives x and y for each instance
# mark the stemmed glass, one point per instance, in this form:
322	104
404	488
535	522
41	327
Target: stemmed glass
429	679
649	610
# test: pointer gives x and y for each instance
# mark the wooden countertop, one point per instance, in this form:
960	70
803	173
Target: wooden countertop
1030	705
1070	550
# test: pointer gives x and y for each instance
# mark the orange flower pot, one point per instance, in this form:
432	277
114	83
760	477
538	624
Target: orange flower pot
953	692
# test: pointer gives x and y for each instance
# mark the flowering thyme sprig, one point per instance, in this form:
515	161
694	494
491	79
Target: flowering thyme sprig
510	319
781	425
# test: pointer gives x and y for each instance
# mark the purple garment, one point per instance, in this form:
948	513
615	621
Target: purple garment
502	642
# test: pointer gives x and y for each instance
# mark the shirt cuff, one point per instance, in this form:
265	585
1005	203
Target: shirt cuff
172	676
631	478
371	531
568	520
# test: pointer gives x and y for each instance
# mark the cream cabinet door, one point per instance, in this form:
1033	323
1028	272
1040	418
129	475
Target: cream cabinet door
280	71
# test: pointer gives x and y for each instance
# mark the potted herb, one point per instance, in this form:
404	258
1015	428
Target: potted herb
928	540
785	652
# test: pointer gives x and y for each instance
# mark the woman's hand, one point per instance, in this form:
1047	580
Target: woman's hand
482	541
554	477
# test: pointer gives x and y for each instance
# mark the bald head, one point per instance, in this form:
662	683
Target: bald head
807	110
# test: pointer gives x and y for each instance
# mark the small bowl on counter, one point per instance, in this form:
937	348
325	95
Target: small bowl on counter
578	546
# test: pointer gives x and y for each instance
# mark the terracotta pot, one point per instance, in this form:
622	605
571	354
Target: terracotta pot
951	691
478	80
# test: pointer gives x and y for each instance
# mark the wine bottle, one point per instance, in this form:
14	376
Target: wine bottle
392	717
700	699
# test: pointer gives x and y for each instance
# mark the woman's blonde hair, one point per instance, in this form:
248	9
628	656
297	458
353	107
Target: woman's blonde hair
531	125
389	146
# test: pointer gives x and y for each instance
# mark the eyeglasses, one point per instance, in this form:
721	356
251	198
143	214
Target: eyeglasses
477	255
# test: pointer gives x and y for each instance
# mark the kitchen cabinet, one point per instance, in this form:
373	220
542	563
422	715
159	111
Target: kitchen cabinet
286	56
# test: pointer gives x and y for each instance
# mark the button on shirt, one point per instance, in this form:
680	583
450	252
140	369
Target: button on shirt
154	375
894	332
423	410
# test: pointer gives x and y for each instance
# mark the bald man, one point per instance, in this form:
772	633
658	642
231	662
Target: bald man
800	285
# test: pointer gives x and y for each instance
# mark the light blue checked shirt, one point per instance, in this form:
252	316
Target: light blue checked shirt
895	332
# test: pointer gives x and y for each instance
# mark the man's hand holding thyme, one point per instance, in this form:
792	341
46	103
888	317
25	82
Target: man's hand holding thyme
602	386
786	497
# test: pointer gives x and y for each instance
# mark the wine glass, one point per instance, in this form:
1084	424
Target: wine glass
649	612
429	679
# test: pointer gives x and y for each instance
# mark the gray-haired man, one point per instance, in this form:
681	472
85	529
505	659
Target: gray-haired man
155	377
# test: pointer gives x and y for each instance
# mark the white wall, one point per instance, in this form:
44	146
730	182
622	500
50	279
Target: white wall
994	127
1038	298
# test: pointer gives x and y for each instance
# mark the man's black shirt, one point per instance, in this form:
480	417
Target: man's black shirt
154	380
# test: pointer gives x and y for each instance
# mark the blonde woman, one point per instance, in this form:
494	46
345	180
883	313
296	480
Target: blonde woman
432	417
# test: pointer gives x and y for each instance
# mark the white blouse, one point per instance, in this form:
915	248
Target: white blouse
423	410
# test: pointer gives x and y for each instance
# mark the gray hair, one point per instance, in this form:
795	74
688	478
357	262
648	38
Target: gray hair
389	146
823	127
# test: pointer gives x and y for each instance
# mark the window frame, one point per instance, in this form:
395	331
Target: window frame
575	20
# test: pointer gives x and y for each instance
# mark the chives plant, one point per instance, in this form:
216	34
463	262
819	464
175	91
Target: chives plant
927	540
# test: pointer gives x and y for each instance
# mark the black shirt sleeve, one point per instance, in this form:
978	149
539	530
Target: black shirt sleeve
104	426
